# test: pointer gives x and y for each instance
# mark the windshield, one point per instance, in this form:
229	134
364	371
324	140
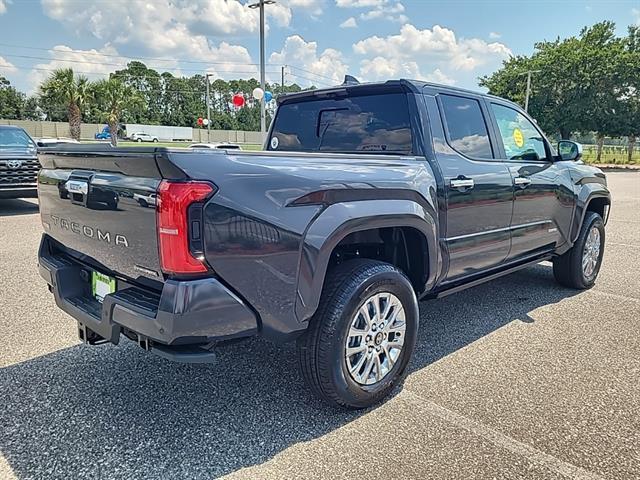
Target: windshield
377	123
14	137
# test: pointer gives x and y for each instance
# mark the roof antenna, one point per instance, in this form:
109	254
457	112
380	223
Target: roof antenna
349	80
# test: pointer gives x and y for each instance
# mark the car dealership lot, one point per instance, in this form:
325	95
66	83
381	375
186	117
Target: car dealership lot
517	378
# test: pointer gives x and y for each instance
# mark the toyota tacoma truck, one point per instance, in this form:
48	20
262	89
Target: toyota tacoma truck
18	163
367	198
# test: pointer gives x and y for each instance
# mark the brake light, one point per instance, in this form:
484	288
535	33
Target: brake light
174	227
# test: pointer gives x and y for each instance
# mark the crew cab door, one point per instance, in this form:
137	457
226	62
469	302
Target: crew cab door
543	203
478	189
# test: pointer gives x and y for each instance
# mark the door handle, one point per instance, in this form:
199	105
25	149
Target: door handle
522	181
462	183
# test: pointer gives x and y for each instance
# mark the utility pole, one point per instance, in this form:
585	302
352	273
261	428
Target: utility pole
282	80
526	98
208	108
263	118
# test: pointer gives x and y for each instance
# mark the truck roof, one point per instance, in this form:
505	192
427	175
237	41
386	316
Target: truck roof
415	86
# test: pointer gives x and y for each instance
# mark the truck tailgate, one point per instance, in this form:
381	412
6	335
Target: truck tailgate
100	203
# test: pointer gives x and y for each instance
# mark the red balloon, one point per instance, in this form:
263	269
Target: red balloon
238	100
199	120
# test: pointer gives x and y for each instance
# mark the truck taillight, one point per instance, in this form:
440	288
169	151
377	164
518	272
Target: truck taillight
176	228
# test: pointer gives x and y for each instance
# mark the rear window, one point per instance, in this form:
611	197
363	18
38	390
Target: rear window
377	123
466	127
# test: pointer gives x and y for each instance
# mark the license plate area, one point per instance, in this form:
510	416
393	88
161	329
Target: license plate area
102	285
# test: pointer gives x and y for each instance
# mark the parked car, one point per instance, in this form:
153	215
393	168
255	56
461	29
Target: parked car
143	137
19	164
368	198
50	141
148	200
105	134
220	145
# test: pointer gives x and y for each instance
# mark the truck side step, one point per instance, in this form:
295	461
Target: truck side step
186	354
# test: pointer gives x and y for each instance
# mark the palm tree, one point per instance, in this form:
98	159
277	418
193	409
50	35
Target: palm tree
71	91
113	99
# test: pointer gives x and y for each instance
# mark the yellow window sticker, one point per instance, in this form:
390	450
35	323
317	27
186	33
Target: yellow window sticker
518	137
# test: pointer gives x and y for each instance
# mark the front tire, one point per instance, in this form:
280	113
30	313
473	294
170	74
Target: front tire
139	140
361	338
578	268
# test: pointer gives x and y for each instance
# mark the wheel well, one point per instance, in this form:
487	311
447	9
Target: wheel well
404	247
598	205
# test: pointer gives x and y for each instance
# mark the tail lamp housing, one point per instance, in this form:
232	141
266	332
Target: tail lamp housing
179	223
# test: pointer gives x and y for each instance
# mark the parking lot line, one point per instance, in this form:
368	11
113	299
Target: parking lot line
499	439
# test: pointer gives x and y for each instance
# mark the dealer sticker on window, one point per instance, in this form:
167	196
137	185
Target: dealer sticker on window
102	285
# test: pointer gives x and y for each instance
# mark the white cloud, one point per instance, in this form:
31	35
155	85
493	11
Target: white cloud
359	3
91	63
312	68
153	24
437	76
349	23
386	11
6	66
3	6
379	9
494	35
636	13
314	7
100	63
404	53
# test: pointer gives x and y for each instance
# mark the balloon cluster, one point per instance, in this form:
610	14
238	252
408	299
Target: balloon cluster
203	121
239	101
259	94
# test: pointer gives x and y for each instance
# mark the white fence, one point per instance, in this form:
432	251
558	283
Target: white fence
88	130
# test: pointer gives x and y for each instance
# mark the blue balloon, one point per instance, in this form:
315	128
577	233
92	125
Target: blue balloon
268	96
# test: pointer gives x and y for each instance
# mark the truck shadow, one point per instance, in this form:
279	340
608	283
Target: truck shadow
11	207
117	412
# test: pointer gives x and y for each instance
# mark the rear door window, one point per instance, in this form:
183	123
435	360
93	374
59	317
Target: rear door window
377	123
466	129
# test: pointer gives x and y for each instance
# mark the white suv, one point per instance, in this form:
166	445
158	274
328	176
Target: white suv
143	137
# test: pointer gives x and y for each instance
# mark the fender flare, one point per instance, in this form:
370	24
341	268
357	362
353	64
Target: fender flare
588	192
341	219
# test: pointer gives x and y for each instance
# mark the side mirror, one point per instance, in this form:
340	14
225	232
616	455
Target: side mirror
568	150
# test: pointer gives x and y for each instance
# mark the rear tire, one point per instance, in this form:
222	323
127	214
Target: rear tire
578	268
139	140
351	291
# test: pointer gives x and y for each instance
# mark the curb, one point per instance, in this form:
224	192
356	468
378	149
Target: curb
614	167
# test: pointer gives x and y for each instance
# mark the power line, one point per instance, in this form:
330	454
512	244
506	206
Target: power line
113	74
312	73
122	65
138	58
313	80
84	52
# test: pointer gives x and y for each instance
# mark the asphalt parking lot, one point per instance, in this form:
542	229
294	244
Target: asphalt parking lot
518	378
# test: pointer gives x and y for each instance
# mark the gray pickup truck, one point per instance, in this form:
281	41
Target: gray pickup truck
366	199
18	163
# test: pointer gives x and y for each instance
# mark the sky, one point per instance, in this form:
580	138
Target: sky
318	41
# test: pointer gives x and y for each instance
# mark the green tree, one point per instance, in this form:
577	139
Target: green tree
149	85
577	87
630	111
11	101
114	99
64	89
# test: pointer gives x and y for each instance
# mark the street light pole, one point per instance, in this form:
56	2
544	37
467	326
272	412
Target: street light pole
208	109
263	117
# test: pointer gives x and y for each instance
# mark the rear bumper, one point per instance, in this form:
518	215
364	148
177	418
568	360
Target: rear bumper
19	192
184	313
